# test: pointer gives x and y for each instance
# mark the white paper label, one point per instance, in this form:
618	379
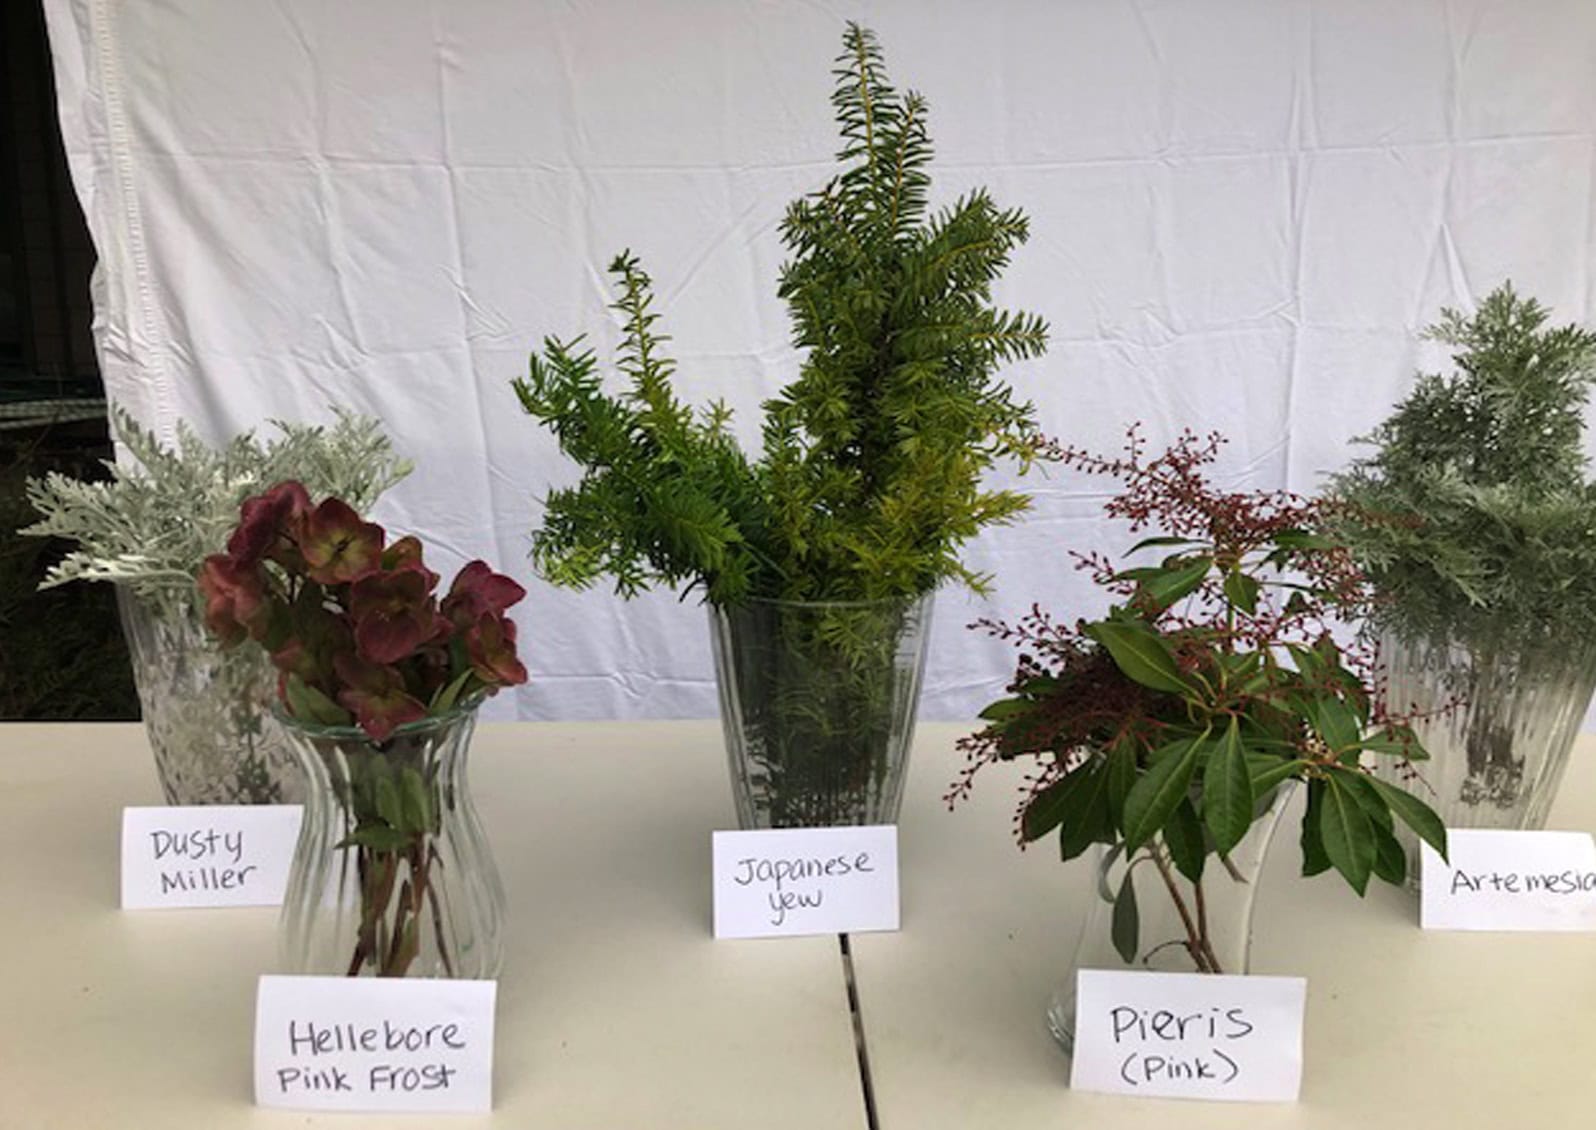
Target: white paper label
778	883
1503	880
374	1044
207	855
1189	1035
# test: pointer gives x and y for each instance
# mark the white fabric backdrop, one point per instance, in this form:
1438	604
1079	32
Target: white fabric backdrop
1242	210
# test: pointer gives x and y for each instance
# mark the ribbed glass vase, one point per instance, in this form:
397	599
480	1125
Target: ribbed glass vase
206	711
1498	724
1180	927
392	876
818	702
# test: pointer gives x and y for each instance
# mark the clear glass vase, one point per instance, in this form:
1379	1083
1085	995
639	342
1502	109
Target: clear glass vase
207	711
392	875
1181	927
818	701
1498	724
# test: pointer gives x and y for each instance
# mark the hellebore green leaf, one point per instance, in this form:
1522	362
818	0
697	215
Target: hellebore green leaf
1414	813
1126	927
1154	796
447	694
1228	790
311	705
1183	836
1242	591
377	838
1347	834
389	806
1140	653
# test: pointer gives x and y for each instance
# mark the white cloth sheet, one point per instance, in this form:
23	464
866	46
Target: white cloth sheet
1242	212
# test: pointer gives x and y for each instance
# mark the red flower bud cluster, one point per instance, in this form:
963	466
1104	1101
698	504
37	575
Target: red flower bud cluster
353	623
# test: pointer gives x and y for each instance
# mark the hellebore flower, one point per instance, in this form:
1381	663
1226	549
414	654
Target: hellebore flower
478	591
406	552
490	648
376	696
267	523
393	613
235	598
338	544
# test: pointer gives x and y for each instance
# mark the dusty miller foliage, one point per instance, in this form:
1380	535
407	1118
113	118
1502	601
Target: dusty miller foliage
870	477
1474	517
151	525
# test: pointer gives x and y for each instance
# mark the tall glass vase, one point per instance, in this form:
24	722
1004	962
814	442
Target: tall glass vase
1498	724
206	711
1179	926
818	702
392	876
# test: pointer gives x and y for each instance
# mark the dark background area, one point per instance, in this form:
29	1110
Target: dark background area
61	651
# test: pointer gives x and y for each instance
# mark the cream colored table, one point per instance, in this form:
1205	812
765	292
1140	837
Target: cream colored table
1404	1029
617	1009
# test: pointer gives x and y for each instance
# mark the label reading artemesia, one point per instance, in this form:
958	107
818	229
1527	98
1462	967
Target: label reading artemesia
1503	880
207	855
1189	1035
788	881
374	1044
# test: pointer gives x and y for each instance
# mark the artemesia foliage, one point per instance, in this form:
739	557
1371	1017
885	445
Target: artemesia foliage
1164	730
1473	516
871	475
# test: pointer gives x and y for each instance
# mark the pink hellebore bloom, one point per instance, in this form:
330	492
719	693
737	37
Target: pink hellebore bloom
338	544
393	613
376	696
477	591
490	648
235	598
267	522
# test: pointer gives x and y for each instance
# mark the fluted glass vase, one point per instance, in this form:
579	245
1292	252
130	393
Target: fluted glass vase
206	711
818	702
392	876
1498	724
1179	926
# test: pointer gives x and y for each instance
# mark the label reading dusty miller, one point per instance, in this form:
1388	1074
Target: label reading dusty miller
1502	880
374	1044
207	855
1189	1035
790	881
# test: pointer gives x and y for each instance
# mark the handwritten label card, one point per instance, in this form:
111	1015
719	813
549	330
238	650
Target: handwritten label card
374	1044
793	881
207	855
1189	1035
1503	880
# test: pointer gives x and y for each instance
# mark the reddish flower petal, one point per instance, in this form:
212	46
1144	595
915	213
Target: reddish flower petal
267	522
235	598
490	647
338	545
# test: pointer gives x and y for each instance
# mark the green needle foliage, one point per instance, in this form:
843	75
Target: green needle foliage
871	474
1474	516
